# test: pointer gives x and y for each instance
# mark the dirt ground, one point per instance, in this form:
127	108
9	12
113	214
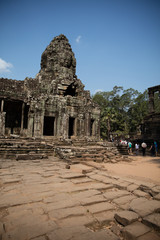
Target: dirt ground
142	168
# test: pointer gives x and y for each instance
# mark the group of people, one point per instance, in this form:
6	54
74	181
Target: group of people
153	148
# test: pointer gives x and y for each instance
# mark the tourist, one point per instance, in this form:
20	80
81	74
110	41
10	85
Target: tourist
137	148
144	146
152	149
156	148
129	147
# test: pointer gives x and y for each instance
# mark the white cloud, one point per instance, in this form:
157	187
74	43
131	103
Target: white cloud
78	38
5	66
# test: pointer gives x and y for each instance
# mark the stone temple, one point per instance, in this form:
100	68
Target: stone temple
54	104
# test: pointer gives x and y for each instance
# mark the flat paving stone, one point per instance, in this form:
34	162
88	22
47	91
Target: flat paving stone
134	230
132	187
124	199
67	232
153	220
101	235
140	193
100	207
157	197
92	200
149	236
71	175
110	195
45	205
67	212
104	218
75	221
126	217
144	207
85	194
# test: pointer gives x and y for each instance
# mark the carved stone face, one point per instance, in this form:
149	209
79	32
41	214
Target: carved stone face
58	58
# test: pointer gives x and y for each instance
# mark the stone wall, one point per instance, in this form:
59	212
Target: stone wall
54	103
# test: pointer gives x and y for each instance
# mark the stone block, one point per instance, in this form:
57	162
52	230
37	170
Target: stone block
100	207
92	200
132	187
126	217
101	235
140	193
153	220
157	197
149	236
144	207
123	200
134	230
110	195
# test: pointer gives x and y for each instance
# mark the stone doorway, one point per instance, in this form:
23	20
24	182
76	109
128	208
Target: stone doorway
91	127
71	130
13	118
48	129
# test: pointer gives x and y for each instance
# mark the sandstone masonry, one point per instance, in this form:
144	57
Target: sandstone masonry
54	104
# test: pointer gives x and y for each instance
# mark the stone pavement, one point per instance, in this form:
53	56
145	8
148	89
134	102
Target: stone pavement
48	200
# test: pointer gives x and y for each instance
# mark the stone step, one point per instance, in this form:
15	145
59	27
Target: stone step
31	156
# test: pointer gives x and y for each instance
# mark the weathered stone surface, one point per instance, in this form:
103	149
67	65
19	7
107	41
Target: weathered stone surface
100	207
134	230
67	232
80	233
53	104
92	200
103	235
132	187
126	217
157	197
104	218
123	200
42	205
110	195
140	193
67	212
72	175
153	220
149	236
144	207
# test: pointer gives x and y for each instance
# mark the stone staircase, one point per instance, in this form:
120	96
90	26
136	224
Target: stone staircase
69	150
122	149
96	153
24	149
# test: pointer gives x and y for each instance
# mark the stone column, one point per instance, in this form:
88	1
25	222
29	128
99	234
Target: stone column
22	116
2	119
30	125
151	101
65	125
2	123
38	122
2	105
87	124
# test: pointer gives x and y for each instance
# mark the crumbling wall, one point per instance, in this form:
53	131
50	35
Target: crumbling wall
55	96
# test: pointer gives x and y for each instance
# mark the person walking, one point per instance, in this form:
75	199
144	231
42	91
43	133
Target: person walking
144	146
137	148
129	147
156	148
152	149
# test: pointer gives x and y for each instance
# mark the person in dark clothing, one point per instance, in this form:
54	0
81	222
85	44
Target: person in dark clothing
144	146
153	150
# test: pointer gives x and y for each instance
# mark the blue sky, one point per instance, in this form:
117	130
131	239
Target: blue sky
115	42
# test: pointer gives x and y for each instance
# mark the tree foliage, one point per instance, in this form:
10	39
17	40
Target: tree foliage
122	111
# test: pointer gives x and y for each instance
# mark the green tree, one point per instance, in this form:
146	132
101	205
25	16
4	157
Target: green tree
121	110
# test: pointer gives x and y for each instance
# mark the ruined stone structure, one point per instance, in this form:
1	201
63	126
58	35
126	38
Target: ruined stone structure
53	104
151	126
